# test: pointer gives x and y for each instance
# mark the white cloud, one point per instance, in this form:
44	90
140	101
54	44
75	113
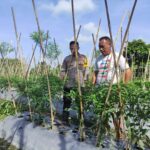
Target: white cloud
90	27
82	38
85	38
65	6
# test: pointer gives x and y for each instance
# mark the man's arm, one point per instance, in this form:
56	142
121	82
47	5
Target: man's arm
94	76
127	76
63	70
124	66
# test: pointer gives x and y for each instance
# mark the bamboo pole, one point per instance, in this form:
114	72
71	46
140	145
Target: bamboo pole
95	41
45	51
9	86
56	50
81	127
128	25
28	68
124	38
146	67
48	83
18	37
16	33
94	47
58	64
119	29
78	32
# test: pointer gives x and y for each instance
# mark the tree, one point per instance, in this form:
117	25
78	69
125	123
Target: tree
137	53
5	48
35	36
52	51
51	48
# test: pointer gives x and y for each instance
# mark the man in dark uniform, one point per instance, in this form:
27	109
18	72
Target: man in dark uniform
69	72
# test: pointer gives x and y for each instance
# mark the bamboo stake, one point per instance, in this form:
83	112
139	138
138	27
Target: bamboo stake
146	67
128	25
78	32
9	86
48	83
119	29
121	36
28	68
94	47
81	127
115	65
16	33
56	50
122	46
18	53
57	57
95	41
45	51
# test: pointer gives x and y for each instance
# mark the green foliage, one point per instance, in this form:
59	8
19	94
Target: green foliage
6	108
97	53
36	36
5	48
137	53
52	51
40	69
135	98
36	89
139	49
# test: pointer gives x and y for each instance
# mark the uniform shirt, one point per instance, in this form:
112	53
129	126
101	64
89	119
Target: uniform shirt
69	69
104	65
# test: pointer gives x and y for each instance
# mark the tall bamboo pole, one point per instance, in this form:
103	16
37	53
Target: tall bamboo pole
128	25
121	49
119	29
18	37
94	46
9	86
95	41
146	67
30	62
48	83
81	127
16	33
78	32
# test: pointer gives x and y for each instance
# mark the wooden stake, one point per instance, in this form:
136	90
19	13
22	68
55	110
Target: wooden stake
81	127
48	83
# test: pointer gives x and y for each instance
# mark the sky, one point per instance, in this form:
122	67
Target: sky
55	16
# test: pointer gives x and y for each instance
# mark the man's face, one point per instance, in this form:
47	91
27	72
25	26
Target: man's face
105	47
74	48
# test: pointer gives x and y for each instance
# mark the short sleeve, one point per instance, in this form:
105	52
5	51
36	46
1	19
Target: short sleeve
85	62
95	66
63	68
123	64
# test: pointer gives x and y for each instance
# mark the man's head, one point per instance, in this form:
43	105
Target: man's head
73	47
105	45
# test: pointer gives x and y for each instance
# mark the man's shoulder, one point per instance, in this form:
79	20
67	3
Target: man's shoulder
67	58
82	56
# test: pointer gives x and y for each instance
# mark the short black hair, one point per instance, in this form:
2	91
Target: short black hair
73	42
105	38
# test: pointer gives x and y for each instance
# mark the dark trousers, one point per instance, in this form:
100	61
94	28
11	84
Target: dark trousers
66	103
